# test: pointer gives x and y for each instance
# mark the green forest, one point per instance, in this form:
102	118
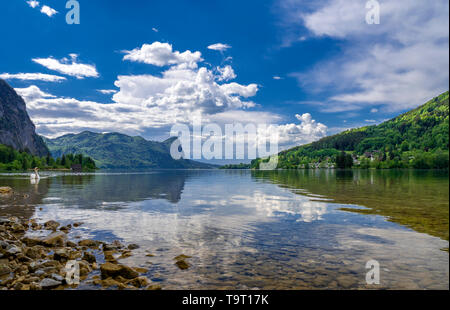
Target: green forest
12	160
416	139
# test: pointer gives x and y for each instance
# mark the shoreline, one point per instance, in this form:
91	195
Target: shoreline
38	263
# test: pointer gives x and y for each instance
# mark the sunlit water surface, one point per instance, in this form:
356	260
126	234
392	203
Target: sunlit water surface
258	230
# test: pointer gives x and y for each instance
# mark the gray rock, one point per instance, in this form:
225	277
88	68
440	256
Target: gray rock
13	250
61	255
3	244
53	225
55	239
4	221
57	277
48	283
39	272
31	241
89	257
4	270
133	246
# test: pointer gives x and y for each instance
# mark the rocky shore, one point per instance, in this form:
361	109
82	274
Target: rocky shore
35	263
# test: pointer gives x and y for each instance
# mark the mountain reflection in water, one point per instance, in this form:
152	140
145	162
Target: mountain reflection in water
261	229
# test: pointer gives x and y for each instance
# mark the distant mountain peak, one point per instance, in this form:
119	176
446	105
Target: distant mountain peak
119	151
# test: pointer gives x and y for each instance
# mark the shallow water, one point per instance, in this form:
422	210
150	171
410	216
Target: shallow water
264	230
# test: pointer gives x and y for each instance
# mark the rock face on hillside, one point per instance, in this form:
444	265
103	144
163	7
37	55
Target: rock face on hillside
16	128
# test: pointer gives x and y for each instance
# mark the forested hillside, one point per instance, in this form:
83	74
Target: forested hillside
119	151
12	160
416	139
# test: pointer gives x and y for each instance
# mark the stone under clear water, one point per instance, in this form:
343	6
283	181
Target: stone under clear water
312	229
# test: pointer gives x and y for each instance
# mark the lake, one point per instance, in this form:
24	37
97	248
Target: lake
308	229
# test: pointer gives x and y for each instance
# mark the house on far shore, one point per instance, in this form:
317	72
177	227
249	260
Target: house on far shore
77	168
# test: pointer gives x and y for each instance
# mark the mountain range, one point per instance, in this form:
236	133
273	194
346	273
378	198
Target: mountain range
418	139
119	151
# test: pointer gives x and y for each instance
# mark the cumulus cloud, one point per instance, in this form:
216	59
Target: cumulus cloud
235	116
145	104
107	91
33	3
182	89
182	92
267	128
55	116
32	93
397	65
219	47
238	89
32	77
308	130
48	11
162	54
69	67
226	73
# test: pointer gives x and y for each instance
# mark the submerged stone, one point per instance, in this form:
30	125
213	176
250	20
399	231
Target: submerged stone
55	239
51	225
48	283
114	270
182	264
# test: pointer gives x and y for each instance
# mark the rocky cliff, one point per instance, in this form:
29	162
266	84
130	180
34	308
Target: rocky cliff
16	128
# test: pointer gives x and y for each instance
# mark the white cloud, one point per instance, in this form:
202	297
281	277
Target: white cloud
68	67
396	65
48	11
287	135
277	77
307	131
182	89
55	116
226	73
238	89
32	93
219	47
107	91
374	110
32	77
162	54
33	3
145	104
235	116
180	92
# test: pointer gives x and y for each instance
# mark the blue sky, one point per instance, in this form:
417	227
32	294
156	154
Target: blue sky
280	59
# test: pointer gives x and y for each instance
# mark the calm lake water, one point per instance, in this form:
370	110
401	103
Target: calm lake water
258	230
